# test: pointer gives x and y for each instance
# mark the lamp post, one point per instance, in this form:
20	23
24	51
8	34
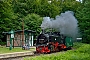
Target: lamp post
11	38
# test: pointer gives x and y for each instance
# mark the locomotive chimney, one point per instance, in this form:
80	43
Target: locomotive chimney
42	30
51	31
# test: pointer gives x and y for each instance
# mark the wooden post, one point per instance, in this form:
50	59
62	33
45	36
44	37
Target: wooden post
22	33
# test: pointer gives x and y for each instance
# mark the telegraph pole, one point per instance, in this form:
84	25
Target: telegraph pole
22	33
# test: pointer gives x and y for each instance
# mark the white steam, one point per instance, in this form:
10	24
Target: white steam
66	23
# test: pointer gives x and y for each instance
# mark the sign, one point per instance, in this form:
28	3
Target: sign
12	33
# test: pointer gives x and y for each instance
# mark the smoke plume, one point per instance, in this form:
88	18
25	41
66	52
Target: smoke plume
65	23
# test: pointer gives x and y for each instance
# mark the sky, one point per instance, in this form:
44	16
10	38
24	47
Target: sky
79	0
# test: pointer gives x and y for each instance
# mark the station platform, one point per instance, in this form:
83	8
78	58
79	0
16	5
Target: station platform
17	54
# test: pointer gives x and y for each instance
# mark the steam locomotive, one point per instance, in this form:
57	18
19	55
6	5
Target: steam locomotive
52	42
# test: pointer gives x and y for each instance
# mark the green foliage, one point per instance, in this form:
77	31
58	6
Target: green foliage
83	16
70	5
8	19
2	43
40	7
33	22
6	16
81	53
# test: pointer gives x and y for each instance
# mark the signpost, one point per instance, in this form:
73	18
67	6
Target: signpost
11	38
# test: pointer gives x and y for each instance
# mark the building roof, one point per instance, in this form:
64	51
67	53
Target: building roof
22	30
30	31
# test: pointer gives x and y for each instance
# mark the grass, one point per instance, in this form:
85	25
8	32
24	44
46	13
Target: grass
81	52
4	49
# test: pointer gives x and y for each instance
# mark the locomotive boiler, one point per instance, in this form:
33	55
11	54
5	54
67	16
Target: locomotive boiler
48	42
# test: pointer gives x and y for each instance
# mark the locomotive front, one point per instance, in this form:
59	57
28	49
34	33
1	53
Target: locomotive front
42	43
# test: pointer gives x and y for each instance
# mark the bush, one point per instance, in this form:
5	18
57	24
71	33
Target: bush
2	43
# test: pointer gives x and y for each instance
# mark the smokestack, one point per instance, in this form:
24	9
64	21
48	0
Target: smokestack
42	31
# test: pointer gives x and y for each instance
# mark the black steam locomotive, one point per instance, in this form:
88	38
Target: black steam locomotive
52	42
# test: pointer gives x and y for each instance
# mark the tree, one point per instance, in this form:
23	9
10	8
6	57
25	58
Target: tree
70	5
7	17
40	7
83	15
33	22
